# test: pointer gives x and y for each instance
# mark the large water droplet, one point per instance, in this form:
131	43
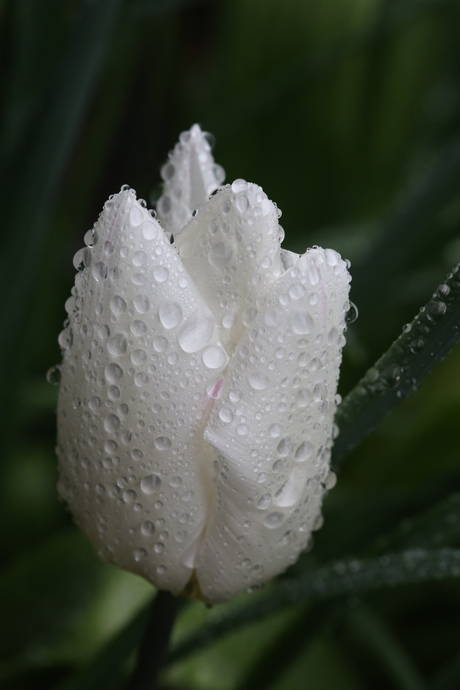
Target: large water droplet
162	442
113	372
196	332
141	304
352	313
117	344
150	483
274	520
258	381
53	375
170	314
214	357
117	305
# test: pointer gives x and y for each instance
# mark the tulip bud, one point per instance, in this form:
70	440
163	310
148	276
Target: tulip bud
198	384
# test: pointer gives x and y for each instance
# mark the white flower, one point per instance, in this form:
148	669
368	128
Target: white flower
198	383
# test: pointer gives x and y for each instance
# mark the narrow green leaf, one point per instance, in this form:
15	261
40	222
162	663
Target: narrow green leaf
338	579
433	528
423	344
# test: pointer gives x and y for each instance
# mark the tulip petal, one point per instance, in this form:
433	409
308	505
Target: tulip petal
190	176
141	352
272	428
231	249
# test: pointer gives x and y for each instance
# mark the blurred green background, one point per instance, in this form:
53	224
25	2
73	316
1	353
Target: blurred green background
347	113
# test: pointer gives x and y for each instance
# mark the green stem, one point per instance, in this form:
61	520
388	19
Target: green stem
154	646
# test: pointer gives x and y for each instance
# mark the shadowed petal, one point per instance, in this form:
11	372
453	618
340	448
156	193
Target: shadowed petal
140	353
272	428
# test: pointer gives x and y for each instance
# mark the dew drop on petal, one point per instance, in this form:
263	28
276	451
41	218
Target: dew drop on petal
150	483
274	520
113	372
141	304
53	375
214	357
170	314
258	381
161	274
162	442
147	528
117	344
196	332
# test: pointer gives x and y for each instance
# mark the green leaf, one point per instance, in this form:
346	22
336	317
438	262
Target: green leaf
423	344
338	579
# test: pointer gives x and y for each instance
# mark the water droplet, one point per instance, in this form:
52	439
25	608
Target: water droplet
150	483
65	338
113	372
170	314
149	229
160	273
129	496
138	357
117	305
111	447
99	271
117	344
147	528
275	430
111	423
53	375
196	332
139	258
226	415
284	447
141	379
297	291
304	451
138	328
258	381
274	520
264	502
139	554
352	313
162	442
214	357
141	304
160	343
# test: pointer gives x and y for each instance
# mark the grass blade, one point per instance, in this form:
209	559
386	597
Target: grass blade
423	344
338	579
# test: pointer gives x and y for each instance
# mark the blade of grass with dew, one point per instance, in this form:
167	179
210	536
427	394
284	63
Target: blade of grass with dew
423	344
333	581
433	528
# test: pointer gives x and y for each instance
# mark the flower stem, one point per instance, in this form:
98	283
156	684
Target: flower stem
154	646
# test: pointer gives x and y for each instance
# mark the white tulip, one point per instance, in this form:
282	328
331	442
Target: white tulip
196	404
